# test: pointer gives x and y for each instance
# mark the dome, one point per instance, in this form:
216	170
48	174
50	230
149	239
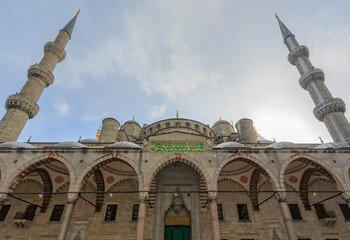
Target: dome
221	122
123	145
89	140
16	145
278	145
230	145
132	122
331	145
69	145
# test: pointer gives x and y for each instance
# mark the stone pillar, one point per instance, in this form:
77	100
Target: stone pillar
287	217
68	212
213	207
141	219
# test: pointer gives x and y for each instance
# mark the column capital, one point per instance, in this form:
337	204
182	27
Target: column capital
73	197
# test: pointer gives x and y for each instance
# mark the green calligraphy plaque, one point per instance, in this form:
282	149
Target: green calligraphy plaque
177	147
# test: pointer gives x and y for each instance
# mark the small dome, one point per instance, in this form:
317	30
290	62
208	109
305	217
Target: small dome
123	145
68	145
221	122
278	145
331	145
89	140
16	145
230	145
132	122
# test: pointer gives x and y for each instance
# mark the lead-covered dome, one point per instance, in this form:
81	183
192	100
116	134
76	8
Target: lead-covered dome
16	145
68	144
230	145
123	145
278	145
331	145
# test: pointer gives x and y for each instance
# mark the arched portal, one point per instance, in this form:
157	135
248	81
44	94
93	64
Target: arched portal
177	188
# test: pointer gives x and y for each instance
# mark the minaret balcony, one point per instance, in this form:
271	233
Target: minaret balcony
300	51
23	103
329	106
42	73
52	47
311	76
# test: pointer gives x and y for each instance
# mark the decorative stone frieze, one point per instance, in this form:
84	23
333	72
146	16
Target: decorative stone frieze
23	103
313	75
329	106
54	49
300	51
42	73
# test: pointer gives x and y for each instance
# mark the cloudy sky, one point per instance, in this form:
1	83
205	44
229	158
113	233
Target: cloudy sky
208	59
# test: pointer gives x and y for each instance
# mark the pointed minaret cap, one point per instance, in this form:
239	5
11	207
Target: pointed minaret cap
70	25
285	31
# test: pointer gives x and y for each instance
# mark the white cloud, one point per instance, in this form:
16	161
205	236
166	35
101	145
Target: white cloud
156	111
62	106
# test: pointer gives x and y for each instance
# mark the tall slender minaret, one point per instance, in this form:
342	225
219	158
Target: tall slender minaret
328	109
23	105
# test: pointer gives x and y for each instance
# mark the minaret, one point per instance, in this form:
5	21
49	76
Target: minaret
23	105
328	109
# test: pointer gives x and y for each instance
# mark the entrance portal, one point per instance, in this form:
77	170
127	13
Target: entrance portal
177	233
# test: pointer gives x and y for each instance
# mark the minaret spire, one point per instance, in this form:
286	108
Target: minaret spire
23	105
328	109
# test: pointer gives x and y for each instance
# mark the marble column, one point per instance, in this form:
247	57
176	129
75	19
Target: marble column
213	207
68	212
287	217
141	219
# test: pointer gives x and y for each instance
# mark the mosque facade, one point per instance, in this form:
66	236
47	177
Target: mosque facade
174	179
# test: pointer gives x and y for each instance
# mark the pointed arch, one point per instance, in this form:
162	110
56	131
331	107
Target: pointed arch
195	164
125	180
31	165
222	180
248	159
318	164
88	171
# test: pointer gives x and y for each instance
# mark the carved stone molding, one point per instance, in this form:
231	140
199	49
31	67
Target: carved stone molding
310	77
53	48
23	103
329	106
298	52
42	73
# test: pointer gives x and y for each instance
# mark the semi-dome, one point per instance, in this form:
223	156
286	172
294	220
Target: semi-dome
331	145
230	145
16	145
278	145
88	140
123	145
68	144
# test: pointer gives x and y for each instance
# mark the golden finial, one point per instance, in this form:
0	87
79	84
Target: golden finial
98	132
78	13
177	113
133	118
256	134
277	16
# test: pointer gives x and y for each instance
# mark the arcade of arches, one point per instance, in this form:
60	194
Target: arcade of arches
136	194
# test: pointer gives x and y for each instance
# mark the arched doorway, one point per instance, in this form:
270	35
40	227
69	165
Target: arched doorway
177	202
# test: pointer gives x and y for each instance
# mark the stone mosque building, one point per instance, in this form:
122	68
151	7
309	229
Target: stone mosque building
174	179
